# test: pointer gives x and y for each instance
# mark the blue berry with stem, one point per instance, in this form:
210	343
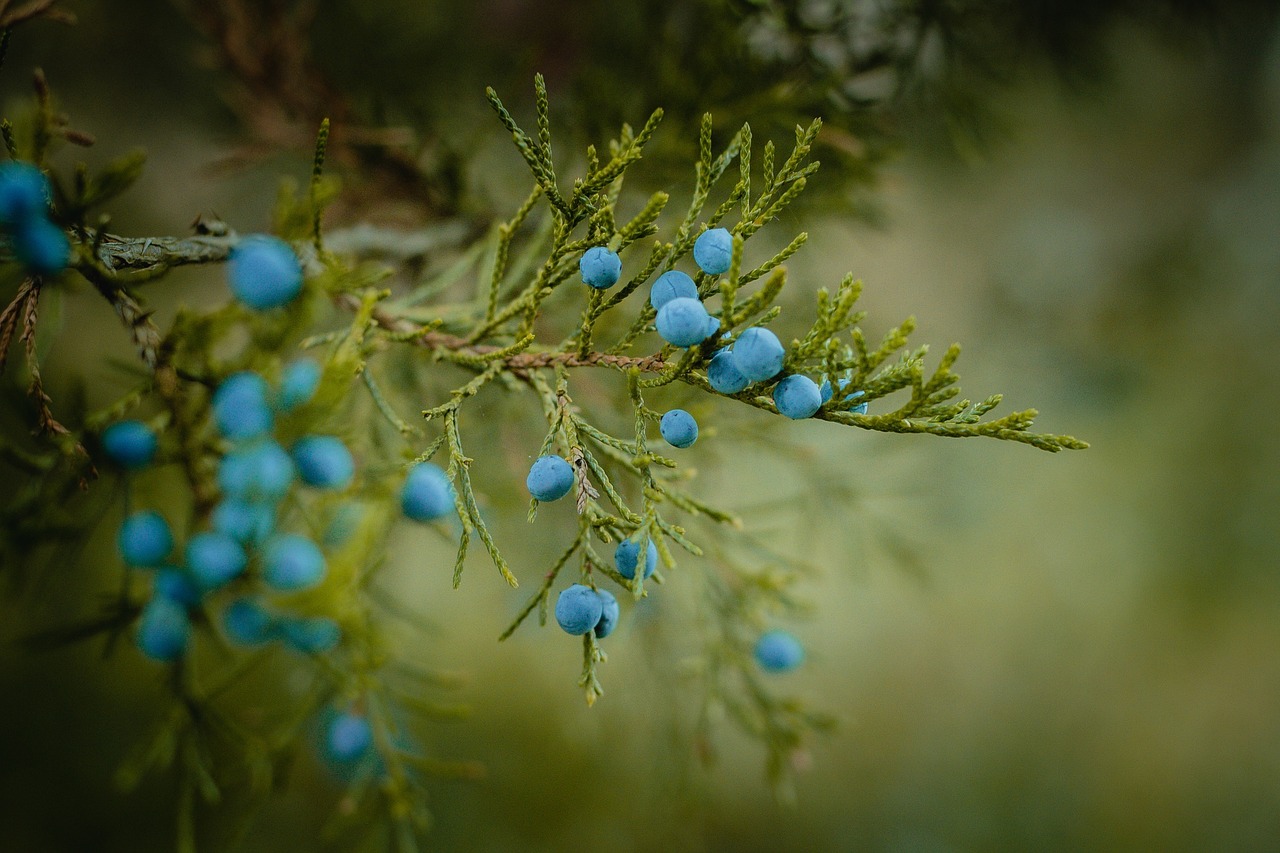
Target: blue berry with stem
758	354
348	737
176	585
259	472
298	384
144	539
249	522
290	562
600	267
312	635
679	428
247	622
683	322
264	272
24	193
778	651
578	609
672	284
427	493
164	629
797	397
41	246
214	559
627	553
323	461
609	613
724	375
550	478
130	444
240	406
713	251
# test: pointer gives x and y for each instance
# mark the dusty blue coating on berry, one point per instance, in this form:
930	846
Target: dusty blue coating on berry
247	622
130	444
624	558
264	272
578	609
713	251
177	586
427	493
672	284
349	737
298	384
323	461
678	428
41	246
724	375
713	325
797	397
600	267
312	635
240	406
826	391
24	193
144	539
608	613
683	322
244	521
259	472
779	651
550	478
163	629
214	559
758	354
290	562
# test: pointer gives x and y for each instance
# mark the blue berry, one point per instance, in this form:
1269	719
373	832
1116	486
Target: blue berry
683	322
608	613
678	428
625	555
550	478
24	193
578	609
861	408
260	472
247	623
779	651
214	559
292	562
298	384
312	635
163	629
671	285
130	444
713	325
264	272
144	539
826	391
723	373
240	407
427	493
348	738
177	586
41	246
713	251
323	461
758	354
797	397
244	521
600	267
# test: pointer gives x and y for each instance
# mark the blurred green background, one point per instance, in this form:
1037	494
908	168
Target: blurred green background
1027	652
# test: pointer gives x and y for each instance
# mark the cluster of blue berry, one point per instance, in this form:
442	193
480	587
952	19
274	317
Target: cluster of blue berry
37	241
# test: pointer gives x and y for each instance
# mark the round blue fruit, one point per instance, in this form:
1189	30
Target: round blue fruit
130	444
713	251
797	397
779	651
24	193
247	622
427	493
292	562
264	272
348	737
671	285
625	555
311	635
298	384
758	354
163	629
724	375
678	428
248	522
177	586
260	472
600	267
683	322
240	406
578	609
609	613
41	246
323	461
214	559
550	478
144	539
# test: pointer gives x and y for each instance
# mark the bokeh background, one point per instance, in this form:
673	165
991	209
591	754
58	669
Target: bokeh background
1070	652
